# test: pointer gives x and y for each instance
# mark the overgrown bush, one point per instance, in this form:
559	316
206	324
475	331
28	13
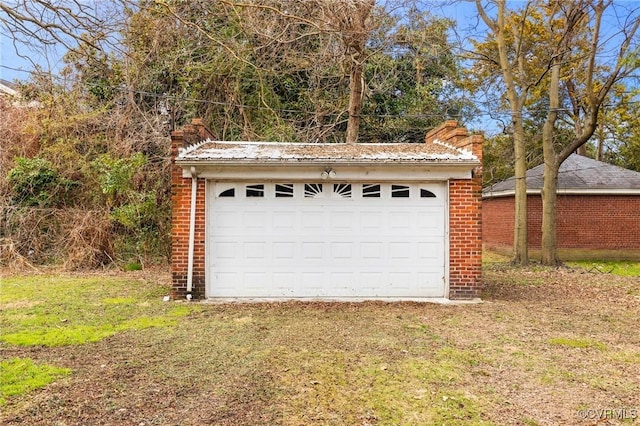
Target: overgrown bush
91	187
34	182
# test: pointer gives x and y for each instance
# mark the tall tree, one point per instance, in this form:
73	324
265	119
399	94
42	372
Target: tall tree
586	77
287	70
553	54
618	133
413	80
352	20
505	57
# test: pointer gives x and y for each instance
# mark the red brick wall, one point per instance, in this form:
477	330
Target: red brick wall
180	216
590	222
497	222
465	239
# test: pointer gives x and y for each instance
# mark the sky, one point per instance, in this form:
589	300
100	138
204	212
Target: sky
8	60
17	65
13	67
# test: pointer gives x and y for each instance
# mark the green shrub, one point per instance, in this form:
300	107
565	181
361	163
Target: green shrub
34	182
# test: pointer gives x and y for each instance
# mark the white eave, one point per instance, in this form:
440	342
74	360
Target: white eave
566	191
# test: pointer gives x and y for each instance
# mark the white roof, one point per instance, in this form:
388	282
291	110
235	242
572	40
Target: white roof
278	152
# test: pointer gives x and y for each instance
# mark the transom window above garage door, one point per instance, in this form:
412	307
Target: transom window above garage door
368	191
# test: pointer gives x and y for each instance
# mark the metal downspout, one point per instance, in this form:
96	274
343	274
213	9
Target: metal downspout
192	233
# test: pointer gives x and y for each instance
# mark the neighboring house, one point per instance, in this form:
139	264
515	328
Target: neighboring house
260	220
598	211
8	90
10	96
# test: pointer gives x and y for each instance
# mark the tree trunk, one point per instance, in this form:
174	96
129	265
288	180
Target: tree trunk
355	30
520	237
552	161
516	103
549	252
600	143
355	100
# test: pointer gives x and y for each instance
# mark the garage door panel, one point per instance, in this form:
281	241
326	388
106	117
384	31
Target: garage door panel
342	284
400	221
256	251
284	283
284	250
312	283
371	283
325	247
400	250
342	221
371	220
313	220
426	278
226	282
371	250
284	221
313	251
430	251
430	223
254	220
341	251
400	281
225	222
254	281
224	250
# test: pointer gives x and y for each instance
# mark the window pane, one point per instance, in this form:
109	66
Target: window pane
312	190
231	192
284	190
371	191
342	189
424	193
255	191
399	191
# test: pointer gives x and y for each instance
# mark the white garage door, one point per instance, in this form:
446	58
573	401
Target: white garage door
326	240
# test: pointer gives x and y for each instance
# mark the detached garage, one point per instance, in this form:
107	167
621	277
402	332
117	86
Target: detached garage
279	221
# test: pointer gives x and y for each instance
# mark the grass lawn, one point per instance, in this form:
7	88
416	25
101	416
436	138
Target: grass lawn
627	269
546	347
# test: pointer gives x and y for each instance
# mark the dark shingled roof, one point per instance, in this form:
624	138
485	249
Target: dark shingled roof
576	173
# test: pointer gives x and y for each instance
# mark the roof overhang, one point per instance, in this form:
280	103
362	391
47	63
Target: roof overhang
367	162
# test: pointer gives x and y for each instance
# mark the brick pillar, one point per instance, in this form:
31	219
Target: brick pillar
465	238
465	215
180	214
